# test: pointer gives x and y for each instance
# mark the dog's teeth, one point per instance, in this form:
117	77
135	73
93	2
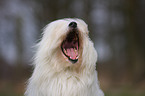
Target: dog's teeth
75	51
77	57
65	50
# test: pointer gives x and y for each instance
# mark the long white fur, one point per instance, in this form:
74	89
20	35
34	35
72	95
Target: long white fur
53	75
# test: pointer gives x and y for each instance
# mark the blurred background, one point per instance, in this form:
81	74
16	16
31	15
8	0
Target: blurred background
117	28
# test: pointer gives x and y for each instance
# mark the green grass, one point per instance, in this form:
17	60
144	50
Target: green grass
125	92
18	90
120	93
8	89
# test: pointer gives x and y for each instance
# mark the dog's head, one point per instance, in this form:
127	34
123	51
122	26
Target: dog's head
65	43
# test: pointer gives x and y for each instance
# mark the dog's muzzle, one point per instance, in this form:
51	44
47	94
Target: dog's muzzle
70	45
73	25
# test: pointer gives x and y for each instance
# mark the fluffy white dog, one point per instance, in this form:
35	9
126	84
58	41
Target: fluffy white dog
65	62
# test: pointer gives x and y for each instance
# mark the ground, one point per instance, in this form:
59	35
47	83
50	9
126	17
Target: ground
8	88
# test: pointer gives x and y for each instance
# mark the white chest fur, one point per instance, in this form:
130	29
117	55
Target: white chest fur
64	85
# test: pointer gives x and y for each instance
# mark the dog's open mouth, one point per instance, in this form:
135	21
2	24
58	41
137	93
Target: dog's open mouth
70	46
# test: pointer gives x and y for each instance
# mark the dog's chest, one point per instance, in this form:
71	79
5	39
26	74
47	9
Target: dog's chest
70	86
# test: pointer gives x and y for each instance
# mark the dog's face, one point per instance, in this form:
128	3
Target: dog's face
65	43
70	45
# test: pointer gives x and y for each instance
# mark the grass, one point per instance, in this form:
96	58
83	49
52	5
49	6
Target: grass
125	92
120	93
9	89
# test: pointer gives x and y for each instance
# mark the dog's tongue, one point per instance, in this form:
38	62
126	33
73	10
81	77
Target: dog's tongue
72	52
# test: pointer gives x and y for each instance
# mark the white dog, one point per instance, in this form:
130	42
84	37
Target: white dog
65	62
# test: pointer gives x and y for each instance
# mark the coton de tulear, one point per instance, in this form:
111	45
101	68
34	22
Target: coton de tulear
65	62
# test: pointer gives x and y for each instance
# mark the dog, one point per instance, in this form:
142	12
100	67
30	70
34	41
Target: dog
65	62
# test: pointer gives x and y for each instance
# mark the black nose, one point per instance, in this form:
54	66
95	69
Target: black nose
73	24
